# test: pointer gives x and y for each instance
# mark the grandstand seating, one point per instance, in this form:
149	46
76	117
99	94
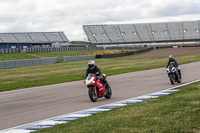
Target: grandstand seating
113	33
175	30
160	31
143	32
89	33
102	35
192	30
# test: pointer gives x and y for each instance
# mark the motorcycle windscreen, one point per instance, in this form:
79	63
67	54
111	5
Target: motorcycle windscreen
90	75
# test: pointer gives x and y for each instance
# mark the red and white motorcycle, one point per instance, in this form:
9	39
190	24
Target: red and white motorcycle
96	89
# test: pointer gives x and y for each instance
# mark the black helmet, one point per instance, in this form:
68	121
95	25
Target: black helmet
91	64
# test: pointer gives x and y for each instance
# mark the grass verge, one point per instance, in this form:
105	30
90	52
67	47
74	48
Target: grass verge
16	78
179	112
22	56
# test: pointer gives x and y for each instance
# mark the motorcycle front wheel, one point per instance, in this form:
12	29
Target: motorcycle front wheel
92	92
172	80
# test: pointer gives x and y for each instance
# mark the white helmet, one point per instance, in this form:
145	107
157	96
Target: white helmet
91	64
171	57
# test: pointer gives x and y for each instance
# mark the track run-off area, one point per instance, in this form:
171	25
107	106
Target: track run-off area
24	106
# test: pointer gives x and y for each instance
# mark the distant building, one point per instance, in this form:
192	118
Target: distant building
33	39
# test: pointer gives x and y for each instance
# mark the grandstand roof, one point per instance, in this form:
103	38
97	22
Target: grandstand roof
33	37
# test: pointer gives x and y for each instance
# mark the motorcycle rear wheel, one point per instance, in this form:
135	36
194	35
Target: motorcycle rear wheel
109	92
179	79
92	92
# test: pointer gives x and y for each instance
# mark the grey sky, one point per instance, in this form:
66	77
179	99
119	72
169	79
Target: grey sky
70	15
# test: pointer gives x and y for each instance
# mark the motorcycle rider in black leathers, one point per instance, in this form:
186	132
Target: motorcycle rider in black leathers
171	59
92	68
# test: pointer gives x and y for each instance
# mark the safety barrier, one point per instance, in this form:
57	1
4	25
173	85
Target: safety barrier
73	58
29	62
42	61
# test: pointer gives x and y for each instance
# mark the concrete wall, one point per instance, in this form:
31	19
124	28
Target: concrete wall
73	58
29	62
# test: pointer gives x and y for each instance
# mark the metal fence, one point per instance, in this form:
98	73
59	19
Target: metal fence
74	58
10	50
49	49
69	48
29	62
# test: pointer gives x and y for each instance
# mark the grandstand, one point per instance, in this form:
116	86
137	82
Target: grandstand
184	31
33	39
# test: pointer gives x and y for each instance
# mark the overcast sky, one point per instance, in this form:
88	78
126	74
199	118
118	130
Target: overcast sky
70	15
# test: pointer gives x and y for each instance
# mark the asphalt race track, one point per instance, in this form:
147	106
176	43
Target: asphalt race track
37	103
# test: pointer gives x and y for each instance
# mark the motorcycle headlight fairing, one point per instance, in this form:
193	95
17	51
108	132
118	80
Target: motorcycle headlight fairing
91	81
167	70
173	69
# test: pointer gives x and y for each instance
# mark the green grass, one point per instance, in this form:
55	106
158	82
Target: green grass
177	113
63	72
21	56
